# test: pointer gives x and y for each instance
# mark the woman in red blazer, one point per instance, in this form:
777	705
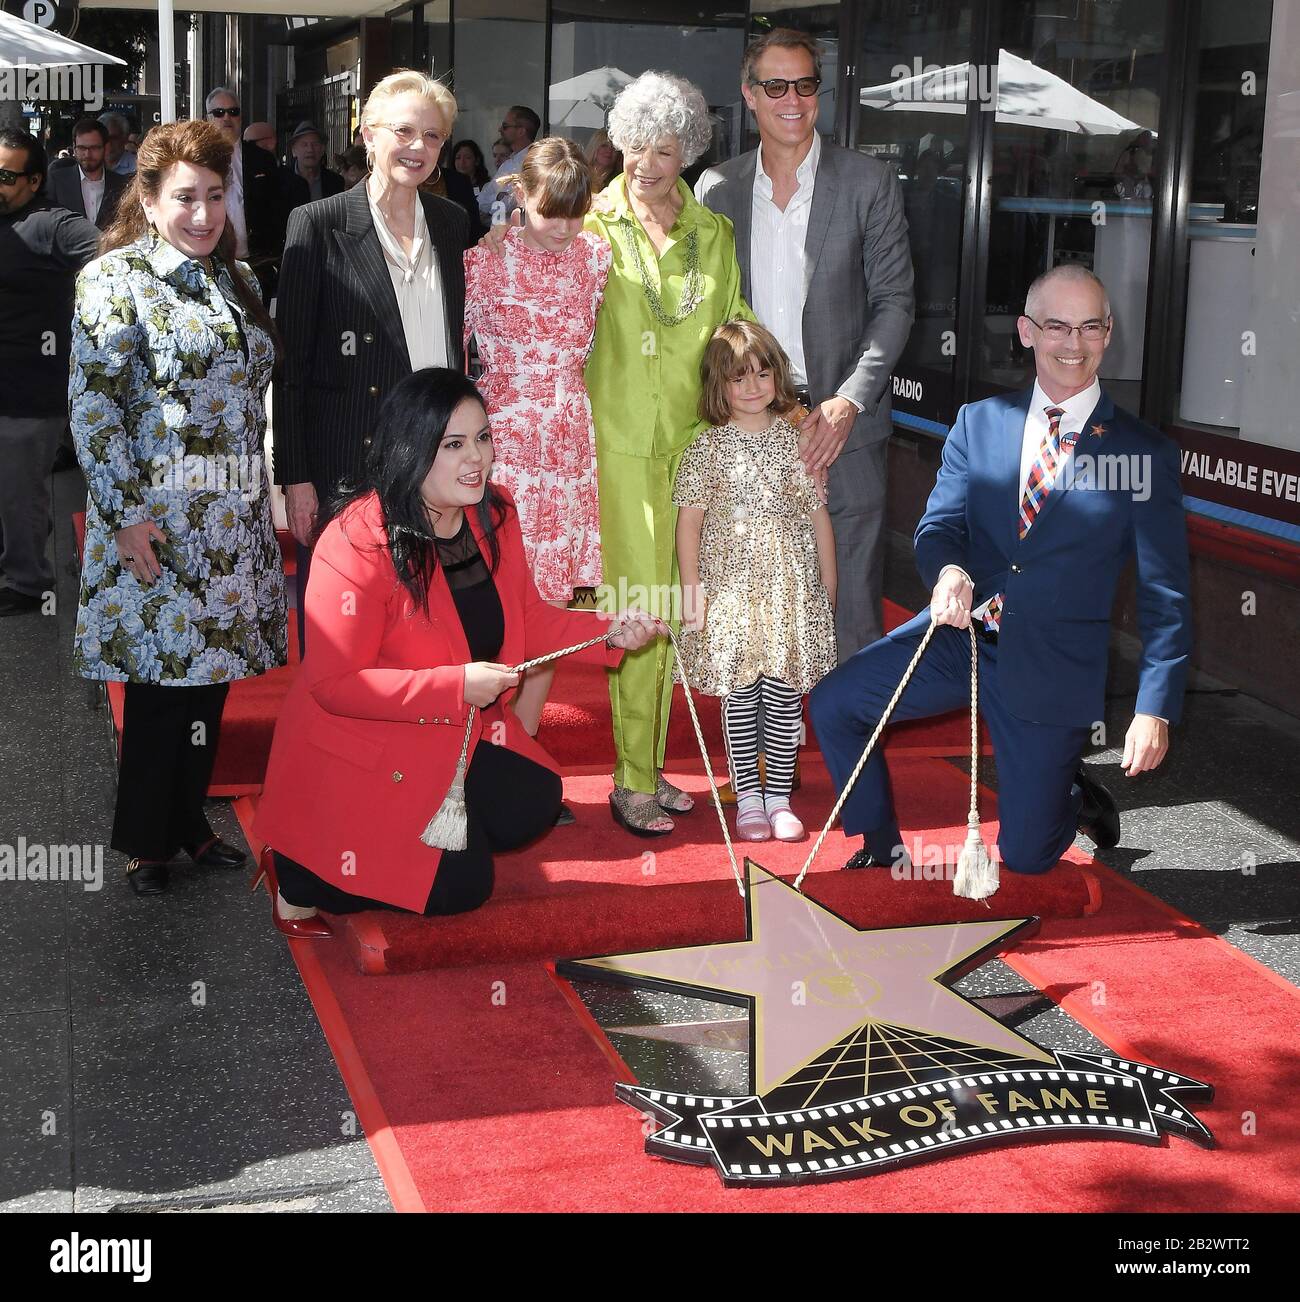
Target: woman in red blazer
419	600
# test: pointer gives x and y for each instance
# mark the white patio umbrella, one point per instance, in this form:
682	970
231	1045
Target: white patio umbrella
1027	95
24	44
589	95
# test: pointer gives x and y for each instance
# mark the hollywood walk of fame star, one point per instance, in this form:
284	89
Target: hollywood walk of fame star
811	979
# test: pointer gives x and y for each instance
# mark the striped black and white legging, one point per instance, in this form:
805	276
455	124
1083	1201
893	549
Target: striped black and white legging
782	709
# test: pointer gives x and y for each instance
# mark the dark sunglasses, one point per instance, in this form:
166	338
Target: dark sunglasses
8	178
775	87
223	113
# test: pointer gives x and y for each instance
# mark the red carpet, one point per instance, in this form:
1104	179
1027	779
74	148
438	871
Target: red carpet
591	888
475	1104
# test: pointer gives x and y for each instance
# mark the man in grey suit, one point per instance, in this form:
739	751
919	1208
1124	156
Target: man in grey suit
824	261
89	189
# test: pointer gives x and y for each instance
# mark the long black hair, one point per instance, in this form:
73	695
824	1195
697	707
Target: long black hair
408	433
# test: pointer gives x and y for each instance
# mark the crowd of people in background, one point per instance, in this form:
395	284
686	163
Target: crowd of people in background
680	387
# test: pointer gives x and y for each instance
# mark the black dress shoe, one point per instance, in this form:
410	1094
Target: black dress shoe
17	603
216	854
1098	815
147	876
865	859
862	859
565	817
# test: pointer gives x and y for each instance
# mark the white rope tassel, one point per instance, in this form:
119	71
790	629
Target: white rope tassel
977	871
448	829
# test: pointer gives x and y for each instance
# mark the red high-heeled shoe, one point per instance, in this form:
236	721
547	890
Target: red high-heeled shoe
314	928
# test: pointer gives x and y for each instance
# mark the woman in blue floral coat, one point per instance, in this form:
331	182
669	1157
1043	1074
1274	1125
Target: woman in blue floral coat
182	588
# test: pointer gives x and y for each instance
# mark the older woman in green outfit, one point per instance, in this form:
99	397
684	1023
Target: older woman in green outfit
673	281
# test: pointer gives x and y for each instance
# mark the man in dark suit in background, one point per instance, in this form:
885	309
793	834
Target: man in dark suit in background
1041	499
255	203
824	261
42	247
89	189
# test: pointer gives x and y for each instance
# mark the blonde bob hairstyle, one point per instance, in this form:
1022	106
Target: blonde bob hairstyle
734	346
408	82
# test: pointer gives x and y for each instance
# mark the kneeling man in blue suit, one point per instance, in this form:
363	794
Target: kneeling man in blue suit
1041	499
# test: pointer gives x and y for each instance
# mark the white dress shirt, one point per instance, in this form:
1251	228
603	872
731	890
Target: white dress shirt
1077	410
487	196
777	256
235	203
92	194
417	282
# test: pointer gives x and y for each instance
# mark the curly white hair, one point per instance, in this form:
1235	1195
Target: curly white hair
655	105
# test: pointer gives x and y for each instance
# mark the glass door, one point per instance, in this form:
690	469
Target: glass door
908	109
1074	95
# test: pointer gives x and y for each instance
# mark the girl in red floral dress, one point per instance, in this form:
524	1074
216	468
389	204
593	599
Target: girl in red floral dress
532	308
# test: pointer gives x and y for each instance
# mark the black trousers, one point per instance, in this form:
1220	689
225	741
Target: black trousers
509	801
169	743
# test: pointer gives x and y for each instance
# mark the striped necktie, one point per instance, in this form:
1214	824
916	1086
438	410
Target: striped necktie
1042	475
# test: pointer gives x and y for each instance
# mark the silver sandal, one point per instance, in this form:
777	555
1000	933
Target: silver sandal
637	817
673	799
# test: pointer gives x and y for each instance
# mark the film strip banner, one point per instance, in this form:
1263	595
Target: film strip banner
1085	1094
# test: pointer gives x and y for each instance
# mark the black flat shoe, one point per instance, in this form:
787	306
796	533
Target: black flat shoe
147	876
17	603
216	854
565	817
1098	814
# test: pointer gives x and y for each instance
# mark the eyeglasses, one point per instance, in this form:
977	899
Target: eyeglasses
223	113
775	87
510	126
405	135
1058	332
8	178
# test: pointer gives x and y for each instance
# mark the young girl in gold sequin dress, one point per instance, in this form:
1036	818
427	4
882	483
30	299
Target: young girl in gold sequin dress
757	561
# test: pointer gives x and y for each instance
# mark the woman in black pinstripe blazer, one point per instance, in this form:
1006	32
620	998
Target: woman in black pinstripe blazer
372	287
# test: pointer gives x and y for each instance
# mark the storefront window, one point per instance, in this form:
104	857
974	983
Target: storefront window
822	22
1074	166
1219	259
437	39
500	61
598	46
921	129
402	36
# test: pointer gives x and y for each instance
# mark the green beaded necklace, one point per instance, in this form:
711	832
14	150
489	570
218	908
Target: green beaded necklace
692	279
